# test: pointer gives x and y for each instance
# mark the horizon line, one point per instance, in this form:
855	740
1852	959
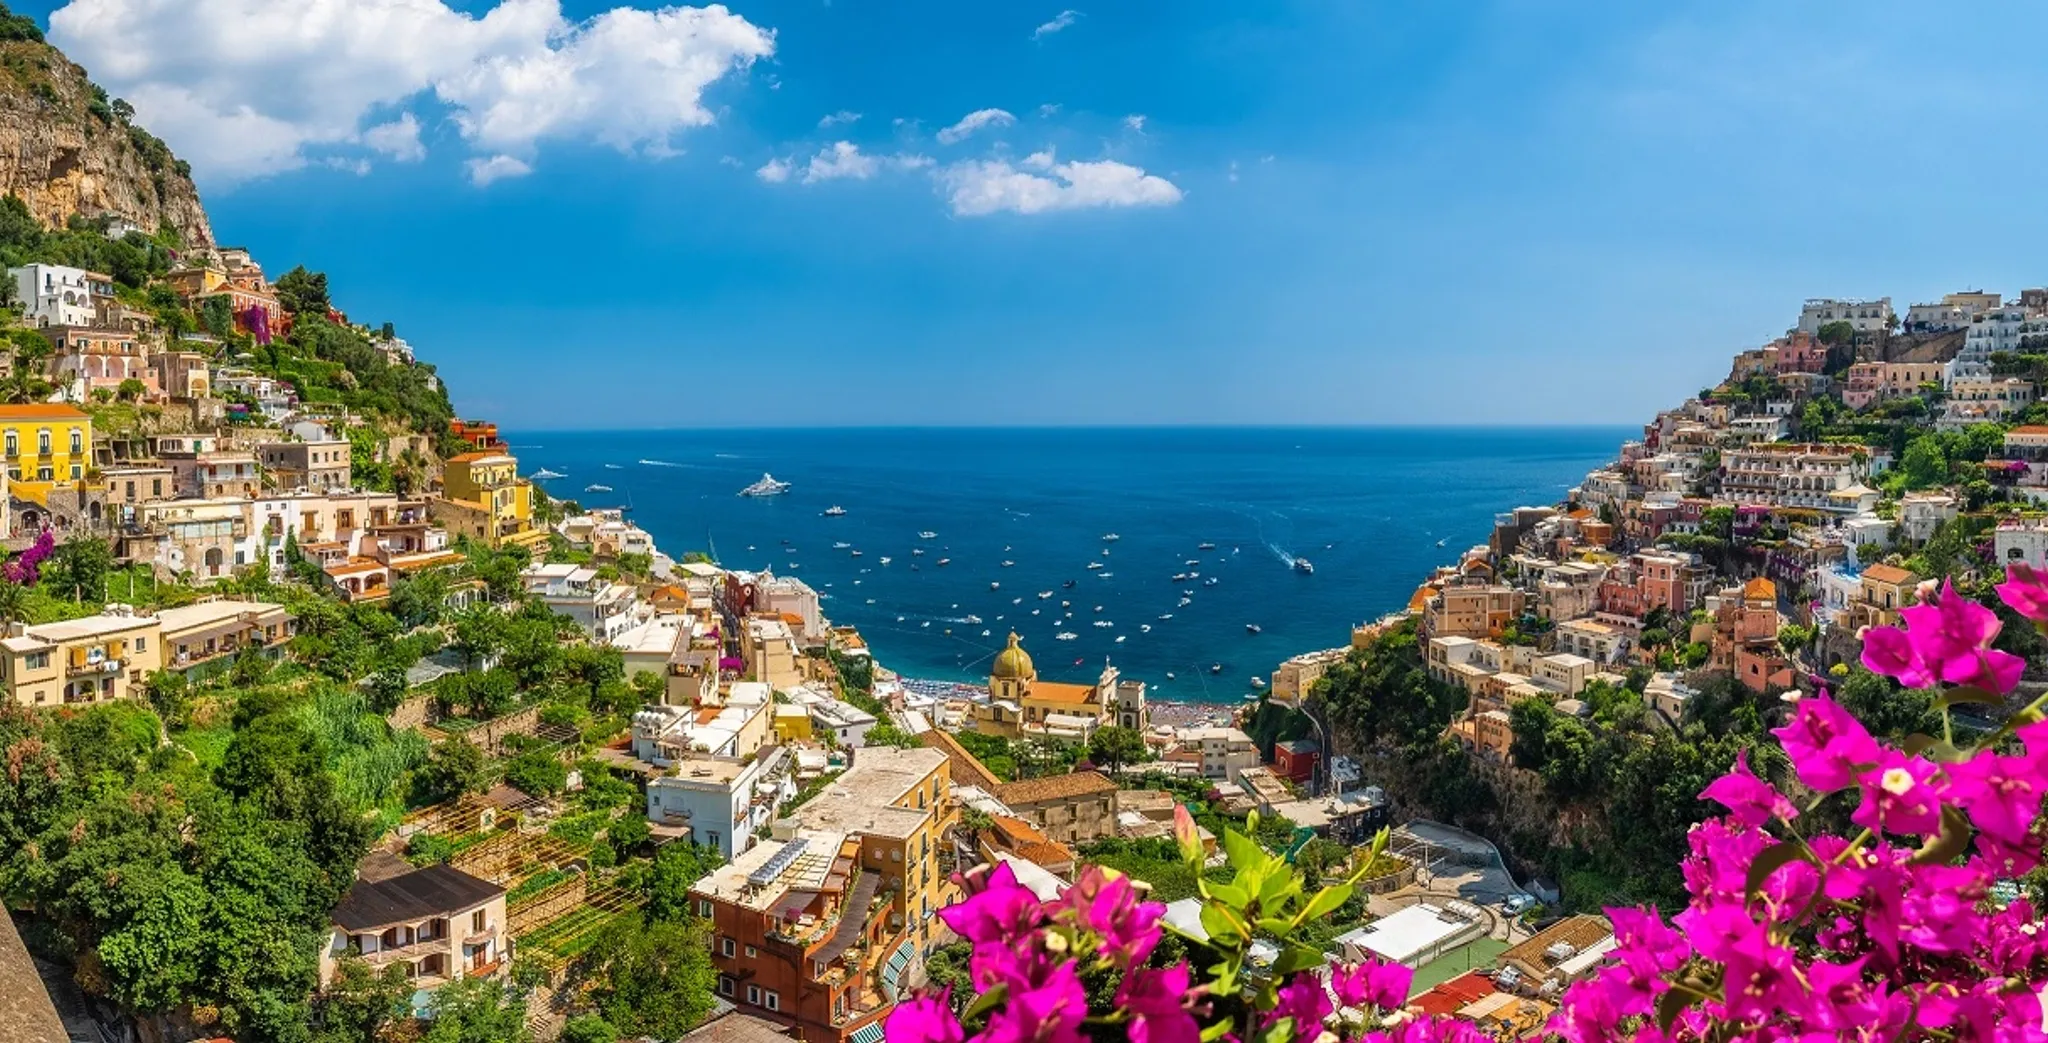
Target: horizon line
1531	426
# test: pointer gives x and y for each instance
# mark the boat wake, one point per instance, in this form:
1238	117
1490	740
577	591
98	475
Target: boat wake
1286	558
662	463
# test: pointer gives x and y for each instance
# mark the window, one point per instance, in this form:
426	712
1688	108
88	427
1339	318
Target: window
38	661
895	856
751	953
725	946
774	1000
44	474
704	908
77	472
43	442
156	487
712	834
142	645
754	995
476	919
77	440
724	985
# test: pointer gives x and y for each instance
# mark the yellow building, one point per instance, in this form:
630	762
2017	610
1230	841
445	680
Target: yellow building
46	443
792	723
1020	703
483	497
91	660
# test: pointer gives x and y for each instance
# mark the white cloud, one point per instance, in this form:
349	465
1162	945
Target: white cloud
1059	21
837	118
775	171
730	161
1051	108
844	159
979	187
1135	121
974	121
399	139
484	171
246	88
1042	160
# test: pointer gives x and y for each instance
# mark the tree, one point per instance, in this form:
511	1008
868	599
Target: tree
455	767
1792	637
1836	333
887	734
589	1028
360	1001
656	978
537	772
79	567
479	1010
218	316
677	868
302	291
1114	746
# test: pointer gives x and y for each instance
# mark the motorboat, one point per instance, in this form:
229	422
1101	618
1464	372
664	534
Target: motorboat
1008	563
886	560
994	585
971	619
595	488
1069	585
841	546
1169	675
1205	546
544	474
1211	581
1192	562
1043	594
1104	575
835	511
856	554
1252	628
1094	566
943	562
984	633
1066	604
927	535
1098	608
1180	577
1110	537
1144	628
917	552
1016	601
1165	616
1065	635
1302	566
1258	682
1120	638
767	486
1215	668
1104	623
1185	602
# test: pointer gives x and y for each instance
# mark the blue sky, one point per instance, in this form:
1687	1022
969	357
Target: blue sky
1331	212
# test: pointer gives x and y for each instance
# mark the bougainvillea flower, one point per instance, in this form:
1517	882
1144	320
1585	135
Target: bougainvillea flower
1890	652
1371	983
1157	1002
1108	905
1001	913
2025	591
2002	794
1050	1012
1899	796
1304	1000
928	1016
1749	800
1826	744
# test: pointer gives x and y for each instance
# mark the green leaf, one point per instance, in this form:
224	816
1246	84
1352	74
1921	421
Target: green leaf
1217	1031
1281	884
1296	958
1669	1007
1241	850
1324	903
1769	862
1275	925
1955	696
986	1002
1917	743
1222	924
1281	1031
1947	844
1229	894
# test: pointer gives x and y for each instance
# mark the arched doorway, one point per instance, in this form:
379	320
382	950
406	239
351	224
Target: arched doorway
214	559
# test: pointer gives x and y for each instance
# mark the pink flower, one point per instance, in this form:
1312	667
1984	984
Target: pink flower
1001	912
1826	744
1304	1000
1950	627
1749	800
925	1018
1157	1002
1371	983
1108	905
1050	1012
1899	796
2025	590
2001	794
1890	652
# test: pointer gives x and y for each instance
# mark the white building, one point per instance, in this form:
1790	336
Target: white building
1796	475
53	295
2022	541
604	609
1226	752
1668	694
722	801
1868	316
1982	400
1415	935
1922	513
789	596
846	723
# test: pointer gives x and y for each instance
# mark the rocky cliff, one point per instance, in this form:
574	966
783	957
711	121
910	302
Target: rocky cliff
66	148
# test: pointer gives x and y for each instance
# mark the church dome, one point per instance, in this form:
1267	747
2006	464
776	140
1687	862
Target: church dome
1012	662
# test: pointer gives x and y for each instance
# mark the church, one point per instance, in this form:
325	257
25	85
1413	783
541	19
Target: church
1022	706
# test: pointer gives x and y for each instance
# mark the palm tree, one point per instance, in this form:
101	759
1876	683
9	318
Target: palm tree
13	601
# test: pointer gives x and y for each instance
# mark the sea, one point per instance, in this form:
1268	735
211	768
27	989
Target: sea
1071	537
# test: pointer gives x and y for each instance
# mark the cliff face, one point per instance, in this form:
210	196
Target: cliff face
66	149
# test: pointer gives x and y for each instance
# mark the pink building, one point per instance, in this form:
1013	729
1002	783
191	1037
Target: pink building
1800	353
1863	385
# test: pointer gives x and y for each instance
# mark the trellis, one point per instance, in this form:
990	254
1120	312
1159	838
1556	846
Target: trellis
510	856
568	936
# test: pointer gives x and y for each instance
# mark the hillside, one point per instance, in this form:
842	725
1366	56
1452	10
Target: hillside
67	148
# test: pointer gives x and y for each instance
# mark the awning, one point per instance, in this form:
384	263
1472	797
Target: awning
870	1032
892	972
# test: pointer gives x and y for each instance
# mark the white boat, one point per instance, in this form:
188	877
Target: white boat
1169	675
1120	638
1144	628
1185	602
1258	682
917	552
767	486
1211	581
972	619
1043	594
841	546
1034	611
1302	565
1205	545
886	560
1180	577
984	633
994	585
1252	628
597	488
1094	565
1065	635
614	467
855	553
1007	563
835	511
1016	601
927	624
1439	543
1165	615
1110	537
945	561
927	535
1104	575
544	474
1104	623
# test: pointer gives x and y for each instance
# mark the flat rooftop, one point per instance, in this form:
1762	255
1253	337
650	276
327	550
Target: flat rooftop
806	870
207	613
1400	937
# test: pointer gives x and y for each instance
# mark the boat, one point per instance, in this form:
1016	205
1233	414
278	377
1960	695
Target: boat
593	488
1443	541
886	559
767	486
1007	563
835	511
1258	682
984	633
1205	546
1192	562
914	568
1252	628
1165	615
1034	611
1104	623
1302	566
1043	594
544	474
927	624
794	565
972	619
1110	537
1094	566
994	585
1180	577
1066	604
1120	638
1169	675
1211	581
841	545
1144	628
871	601
614	467
1215	668
927	535
786	541
943	562
1104	575
917	552
1065	635
1185	602
1069	585
856	554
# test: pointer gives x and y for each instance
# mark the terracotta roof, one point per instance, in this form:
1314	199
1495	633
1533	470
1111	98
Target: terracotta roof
1024	840
2028	429
354	566
1055	787
738	1028
1581	932
42	411
963	767
1760	588
1892	573
1055	692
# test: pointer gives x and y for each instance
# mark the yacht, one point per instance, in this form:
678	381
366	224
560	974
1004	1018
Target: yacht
1205	546
544	474
855	553
1065	635
1192	562
1044	594
842	545
1180	577
767	486
1252	628
1007	563
972	619
1258	682
1120	638
1104	575
994	585
927	535
1165	615
1110	537
597	488
1094	566
1069	585
886	559
1104	623
943	562
835	511
1302	565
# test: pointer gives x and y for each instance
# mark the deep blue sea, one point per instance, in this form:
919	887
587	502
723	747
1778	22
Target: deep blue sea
1373	509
